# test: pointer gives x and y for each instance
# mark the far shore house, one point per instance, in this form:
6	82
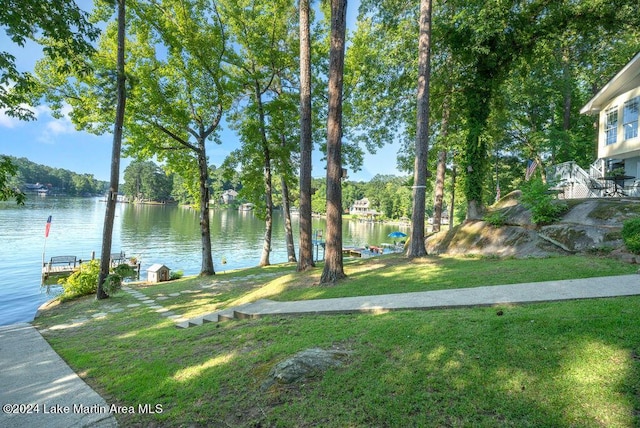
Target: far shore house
229	196
616	172
362	207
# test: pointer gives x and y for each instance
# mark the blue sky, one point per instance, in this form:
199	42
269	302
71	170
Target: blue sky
56	142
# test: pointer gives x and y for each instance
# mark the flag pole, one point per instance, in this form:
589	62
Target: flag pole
46	235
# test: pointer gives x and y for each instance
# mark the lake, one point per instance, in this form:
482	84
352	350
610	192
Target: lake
166	234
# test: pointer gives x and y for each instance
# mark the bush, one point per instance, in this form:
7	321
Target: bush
84	281
495	219
176	275
631	235
537	198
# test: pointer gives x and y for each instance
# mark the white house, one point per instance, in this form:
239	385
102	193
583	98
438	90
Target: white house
362	207
617	105
616	172
229	196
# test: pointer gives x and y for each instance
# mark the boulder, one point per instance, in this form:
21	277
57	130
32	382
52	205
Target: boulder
592	224
304	364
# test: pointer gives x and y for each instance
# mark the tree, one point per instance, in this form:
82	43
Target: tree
7	170
109	216
489	39
305	261
261	67
176	96
333	267
144	180
180	98
60	26
417	247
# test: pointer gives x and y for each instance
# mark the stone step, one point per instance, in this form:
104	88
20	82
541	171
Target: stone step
218	316
194	322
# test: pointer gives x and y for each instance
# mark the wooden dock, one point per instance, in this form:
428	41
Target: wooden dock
66	265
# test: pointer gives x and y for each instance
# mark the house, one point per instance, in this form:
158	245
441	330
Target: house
617	105
616	172
229	196
362	207
158	273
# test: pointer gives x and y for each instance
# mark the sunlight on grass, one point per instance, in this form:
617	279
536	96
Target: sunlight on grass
560	364
437	354
193	372
596	372
270	289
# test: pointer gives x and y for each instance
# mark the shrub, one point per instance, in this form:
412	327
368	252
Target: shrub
84	281
537	198
177	274
631	235
113	281
495	219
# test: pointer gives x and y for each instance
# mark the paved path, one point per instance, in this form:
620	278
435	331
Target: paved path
33	374
625	285
35	382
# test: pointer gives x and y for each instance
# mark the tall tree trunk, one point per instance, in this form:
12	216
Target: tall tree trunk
109	216
567	80
268	221
417	247
305	261
478	102
441	168
286	208
439	190
333	266
205	226
288	229
268	180
453	195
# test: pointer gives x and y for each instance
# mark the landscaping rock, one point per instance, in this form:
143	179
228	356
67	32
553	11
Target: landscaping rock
589	225
304	364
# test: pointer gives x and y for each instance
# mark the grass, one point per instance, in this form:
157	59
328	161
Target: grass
562	364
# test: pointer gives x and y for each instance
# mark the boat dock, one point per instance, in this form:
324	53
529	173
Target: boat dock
66	265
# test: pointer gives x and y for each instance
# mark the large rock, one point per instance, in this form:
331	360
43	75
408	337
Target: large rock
480	237
593	224
304	364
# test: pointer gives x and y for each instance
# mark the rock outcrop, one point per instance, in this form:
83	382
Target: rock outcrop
592	225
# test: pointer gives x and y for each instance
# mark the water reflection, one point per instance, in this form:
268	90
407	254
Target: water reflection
166	234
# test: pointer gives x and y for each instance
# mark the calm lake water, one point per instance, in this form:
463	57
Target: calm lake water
154	234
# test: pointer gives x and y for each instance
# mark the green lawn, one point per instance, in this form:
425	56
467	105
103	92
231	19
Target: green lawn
564	364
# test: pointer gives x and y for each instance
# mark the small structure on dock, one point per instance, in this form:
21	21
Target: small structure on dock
158	273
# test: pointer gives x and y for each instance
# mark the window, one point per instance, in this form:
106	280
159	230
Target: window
630	118
611	125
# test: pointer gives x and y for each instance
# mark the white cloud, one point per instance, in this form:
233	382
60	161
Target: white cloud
8	121
54	127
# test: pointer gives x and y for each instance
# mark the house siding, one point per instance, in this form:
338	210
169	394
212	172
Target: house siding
622	148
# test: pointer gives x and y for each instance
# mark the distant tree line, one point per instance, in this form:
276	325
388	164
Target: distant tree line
145	180
389	195
56	179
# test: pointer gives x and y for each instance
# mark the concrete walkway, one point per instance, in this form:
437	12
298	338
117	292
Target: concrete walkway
38	389
35	382
625	285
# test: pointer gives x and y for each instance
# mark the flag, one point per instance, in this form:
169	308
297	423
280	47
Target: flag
531	167
47	228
